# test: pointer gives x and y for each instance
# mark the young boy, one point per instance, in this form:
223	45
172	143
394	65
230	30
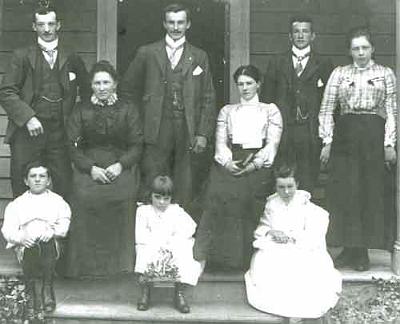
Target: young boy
32	224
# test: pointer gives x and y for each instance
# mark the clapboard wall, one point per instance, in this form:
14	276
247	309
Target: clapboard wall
332	19
79	21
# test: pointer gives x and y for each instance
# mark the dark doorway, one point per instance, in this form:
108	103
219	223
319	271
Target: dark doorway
140	22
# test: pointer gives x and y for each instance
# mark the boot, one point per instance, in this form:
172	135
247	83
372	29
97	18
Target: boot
48	297
179	299
30	299
345	258
34	306
143	303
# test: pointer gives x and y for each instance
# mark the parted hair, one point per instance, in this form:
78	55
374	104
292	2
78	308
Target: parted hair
44	10
176	7
361	31
103	66
247	70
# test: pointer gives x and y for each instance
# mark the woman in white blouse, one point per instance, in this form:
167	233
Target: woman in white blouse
357	142
247	139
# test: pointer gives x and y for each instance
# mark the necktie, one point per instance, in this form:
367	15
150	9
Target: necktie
51	55
173	58
299	68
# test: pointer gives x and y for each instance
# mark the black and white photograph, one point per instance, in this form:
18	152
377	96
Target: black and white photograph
199	161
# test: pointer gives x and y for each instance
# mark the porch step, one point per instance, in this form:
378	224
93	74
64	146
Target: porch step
218	298
115	300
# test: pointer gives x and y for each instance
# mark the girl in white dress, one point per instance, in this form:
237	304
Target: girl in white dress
164	226
291	273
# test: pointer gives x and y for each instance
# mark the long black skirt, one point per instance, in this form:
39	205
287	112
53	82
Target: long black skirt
101	237
232	209
355	193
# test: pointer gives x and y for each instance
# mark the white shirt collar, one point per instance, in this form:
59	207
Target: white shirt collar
48	45
369	64
253	100
301	52
174	44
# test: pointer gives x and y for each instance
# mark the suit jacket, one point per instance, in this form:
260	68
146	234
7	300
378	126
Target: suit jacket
21	84
144	83
279	87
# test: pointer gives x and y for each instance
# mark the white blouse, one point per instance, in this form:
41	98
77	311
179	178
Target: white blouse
249	124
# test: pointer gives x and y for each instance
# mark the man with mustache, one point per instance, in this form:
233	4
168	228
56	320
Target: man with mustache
171	81
38	93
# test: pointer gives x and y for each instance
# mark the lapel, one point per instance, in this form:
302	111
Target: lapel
287	66
187	58
161	56
63	53
311	67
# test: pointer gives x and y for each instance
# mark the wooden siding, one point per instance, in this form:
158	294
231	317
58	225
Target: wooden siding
332	20
78	28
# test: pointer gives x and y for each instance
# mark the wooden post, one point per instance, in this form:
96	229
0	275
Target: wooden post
396	248
239	40
107	30
1	16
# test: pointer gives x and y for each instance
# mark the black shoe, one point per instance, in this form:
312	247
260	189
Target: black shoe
143	303
344	258
179	299
48	298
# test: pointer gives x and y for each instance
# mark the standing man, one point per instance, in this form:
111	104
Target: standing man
38	93
295	81
171	81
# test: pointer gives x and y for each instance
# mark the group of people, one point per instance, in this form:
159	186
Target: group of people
135	139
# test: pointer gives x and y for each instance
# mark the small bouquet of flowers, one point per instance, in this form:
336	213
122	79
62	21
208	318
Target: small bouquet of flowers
163	269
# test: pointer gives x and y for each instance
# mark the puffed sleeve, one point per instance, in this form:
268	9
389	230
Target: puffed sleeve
142	228
316	226
328	106
134	138
61	225
75	139
390	107
223	153
260	234
11	227
185	225
265	157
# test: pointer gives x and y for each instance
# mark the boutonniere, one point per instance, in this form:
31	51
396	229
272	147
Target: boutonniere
320	83
198	70
71	76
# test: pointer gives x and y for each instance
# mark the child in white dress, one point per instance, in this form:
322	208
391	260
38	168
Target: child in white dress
164	229
291	273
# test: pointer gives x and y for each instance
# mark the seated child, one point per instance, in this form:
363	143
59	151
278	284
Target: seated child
291	273
164	240
32	224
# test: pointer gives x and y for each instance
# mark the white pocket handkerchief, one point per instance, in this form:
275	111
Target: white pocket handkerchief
320	83
198	70
72	76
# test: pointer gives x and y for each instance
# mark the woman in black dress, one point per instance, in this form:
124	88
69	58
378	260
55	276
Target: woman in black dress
105	136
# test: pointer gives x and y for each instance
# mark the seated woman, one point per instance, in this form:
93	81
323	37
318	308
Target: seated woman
247	139
105	138
291	273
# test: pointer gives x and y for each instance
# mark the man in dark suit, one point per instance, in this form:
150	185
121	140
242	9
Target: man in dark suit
171	81
295	81
38	93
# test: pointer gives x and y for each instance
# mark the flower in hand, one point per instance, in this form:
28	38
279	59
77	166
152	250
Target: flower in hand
280	237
